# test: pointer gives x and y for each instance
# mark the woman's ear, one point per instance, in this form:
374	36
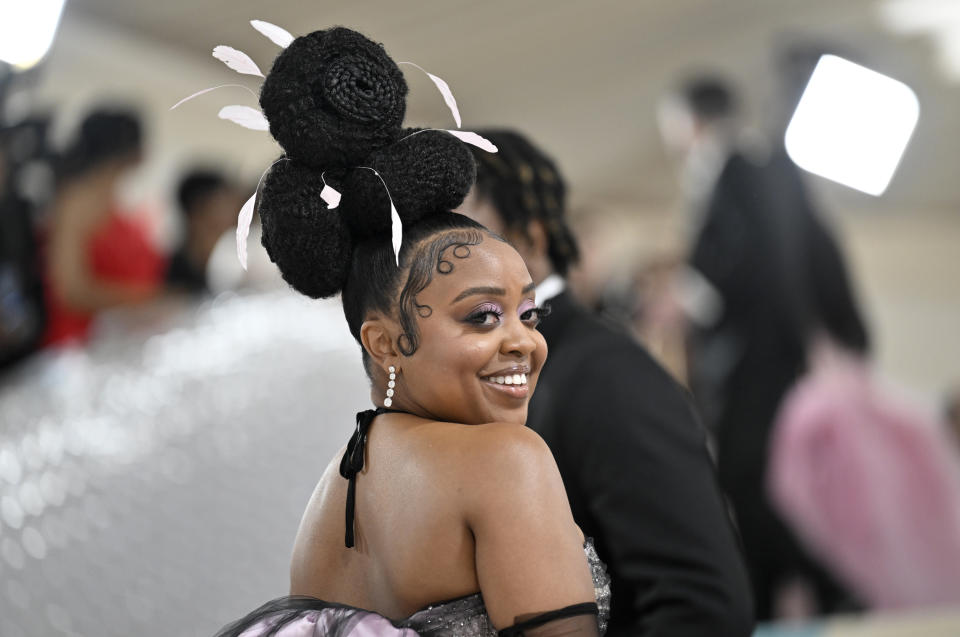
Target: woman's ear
379	337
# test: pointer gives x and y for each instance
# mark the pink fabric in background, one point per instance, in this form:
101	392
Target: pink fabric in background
871	483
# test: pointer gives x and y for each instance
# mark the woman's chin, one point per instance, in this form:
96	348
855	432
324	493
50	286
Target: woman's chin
516	415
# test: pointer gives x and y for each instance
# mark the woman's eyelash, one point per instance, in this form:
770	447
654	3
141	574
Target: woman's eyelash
483	313
528	308
536	312
479	316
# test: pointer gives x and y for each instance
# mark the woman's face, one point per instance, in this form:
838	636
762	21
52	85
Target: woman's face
479	353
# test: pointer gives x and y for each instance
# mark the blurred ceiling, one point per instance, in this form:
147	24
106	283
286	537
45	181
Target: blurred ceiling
583	77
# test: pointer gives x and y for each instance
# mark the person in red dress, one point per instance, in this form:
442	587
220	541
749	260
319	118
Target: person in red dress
97	256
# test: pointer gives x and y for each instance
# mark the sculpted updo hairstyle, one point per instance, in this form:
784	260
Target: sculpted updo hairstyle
335	102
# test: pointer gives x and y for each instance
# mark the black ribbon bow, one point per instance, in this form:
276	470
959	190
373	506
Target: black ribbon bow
352	463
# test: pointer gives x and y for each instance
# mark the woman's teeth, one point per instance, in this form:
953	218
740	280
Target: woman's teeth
515	379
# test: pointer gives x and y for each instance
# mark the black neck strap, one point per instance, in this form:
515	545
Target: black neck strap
352	462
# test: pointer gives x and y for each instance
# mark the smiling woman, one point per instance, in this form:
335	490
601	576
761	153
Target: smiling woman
473	339
447	495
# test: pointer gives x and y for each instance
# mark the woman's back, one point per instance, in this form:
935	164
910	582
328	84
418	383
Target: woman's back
413	547
426	490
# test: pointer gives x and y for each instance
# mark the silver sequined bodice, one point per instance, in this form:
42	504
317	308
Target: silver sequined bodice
467	616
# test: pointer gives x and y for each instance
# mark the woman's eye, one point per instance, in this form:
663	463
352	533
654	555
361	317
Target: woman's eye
531	316
487	318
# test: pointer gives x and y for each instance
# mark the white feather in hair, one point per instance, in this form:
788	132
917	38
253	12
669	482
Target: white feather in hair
476	140
444	89
207	90
243	229
236	60
244	116
278	35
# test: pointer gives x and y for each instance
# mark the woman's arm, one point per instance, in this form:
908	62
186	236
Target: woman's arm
529	552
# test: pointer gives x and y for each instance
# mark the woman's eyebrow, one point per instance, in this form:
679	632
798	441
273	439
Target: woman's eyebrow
529	288
479	290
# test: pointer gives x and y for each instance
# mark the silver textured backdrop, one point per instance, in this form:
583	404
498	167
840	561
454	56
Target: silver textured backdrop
152	485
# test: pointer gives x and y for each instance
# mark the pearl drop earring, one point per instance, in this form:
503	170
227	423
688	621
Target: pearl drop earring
390	385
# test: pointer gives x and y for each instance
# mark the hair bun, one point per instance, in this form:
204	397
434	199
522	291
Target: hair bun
427	172
333	97
309	242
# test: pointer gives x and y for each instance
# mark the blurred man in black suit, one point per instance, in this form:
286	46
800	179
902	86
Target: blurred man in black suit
630	449
772	279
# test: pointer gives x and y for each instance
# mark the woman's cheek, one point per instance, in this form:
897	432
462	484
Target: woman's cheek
478	352
542	350
456	356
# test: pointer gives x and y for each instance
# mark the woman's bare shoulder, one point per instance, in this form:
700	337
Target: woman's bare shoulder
488	465
471	448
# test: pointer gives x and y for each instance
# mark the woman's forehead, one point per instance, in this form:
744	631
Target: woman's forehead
490	263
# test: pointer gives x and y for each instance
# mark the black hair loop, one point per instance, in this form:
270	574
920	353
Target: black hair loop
405	344
460	251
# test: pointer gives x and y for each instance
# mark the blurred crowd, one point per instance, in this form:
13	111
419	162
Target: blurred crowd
776	349
758	316
73	248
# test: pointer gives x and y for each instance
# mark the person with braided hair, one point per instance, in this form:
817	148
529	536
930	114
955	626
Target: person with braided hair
447	495
630	449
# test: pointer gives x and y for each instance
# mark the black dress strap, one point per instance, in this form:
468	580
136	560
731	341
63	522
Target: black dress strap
352	462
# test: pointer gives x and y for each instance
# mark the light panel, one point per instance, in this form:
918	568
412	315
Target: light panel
852	125
27	28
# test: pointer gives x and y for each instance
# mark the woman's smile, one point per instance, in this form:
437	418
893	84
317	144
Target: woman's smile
510	382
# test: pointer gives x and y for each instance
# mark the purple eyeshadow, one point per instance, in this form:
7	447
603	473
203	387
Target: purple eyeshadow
489	307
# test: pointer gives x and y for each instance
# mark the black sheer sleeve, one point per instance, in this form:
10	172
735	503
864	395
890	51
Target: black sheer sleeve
578	619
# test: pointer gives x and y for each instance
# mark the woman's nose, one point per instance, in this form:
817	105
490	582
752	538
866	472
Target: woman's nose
518	340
